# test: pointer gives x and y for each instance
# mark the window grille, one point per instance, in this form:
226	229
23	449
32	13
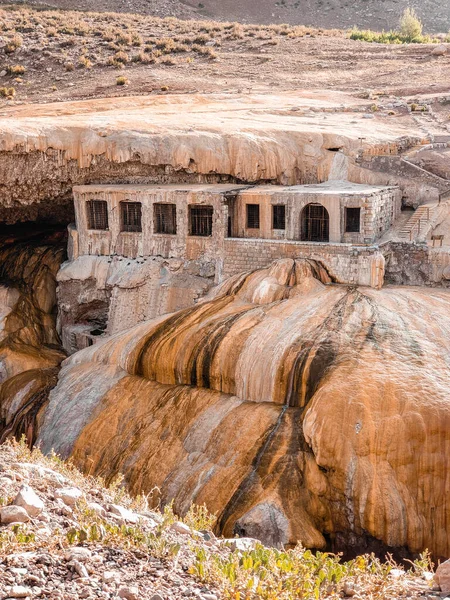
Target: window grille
97	214
200	220
165	218
131	216
252	216
315	223
278	216
352	220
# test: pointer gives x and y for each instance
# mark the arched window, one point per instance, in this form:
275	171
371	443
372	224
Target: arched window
315	224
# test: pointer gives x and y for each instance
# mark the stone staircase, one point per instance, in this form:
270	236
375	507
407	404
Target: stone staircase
420	222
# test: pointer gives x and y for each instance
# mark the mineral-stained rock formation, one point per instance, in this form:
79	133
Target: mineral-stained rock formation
295	408
29	345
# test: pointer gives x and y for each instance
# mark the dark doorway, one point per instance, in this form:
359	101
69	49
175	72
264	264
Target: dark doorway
352	220
278	216
252	216
315	224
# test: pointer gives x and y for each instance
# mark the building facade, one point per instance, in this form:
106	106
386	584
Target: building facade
336	222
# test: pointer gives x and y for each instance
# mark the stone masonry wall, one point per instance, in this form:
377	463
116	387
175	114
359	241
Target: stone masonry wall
345	263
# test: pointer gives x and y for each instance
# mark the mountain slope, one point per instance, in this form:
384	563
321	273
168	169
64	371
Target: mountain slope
340	14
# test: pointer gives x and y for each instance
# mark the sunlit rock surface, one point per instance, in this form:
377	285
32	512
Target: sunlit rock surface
285	137
294	408
29	345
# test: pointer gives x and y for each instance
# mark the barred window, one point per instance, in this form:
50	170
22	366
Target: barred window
200	220
97	214
252	216
352	220
165	218
278	216
130	216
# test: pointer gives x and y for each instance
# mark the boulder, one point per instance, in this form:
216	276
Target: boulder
180	527
442	577
13	514
439	50
19	591
69	495
129	593
123	513
97	508
29	500
78	553
242	544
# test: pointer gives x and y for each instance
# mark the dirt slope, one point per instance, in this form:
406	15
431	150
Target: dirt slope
69	55
317	13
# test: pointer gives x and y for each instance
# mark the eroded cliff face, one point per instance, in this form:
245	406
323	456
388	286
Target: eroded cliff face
101	295
294	408
30	351
287	138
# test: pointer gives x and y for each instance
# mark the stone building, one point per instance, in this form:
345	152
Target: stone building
239	227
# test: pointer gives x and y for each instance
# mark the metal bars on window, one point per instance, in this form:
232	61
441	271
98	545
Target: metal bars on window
315	223
97	214
278	216
165	218
252	216
131	216
200	220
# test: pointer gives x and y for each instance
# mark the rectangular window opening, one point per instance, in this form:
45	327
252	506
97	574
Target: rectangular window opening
200	220
278	216
352	220
97	214
131	216
252	216
165	218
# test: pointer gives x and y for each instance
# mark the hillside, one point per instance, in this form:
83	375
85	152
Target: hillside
66	536
339	14
52	55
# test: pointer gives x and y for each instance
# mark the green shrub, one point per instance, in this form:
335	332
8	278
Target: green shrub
410	25
121	80
388	37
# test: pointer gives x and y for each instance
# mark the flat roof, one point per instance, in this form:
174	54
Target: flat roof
326	188
337	188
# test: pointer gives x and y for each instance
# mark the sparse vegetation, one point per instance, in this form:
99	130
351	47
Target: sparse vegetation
15	69
256	573
7	92
409	32
410	25
121	80
13	44
84	62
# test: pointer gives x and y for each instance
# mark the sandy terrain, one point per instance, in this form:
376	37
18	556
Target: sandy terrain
67	56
